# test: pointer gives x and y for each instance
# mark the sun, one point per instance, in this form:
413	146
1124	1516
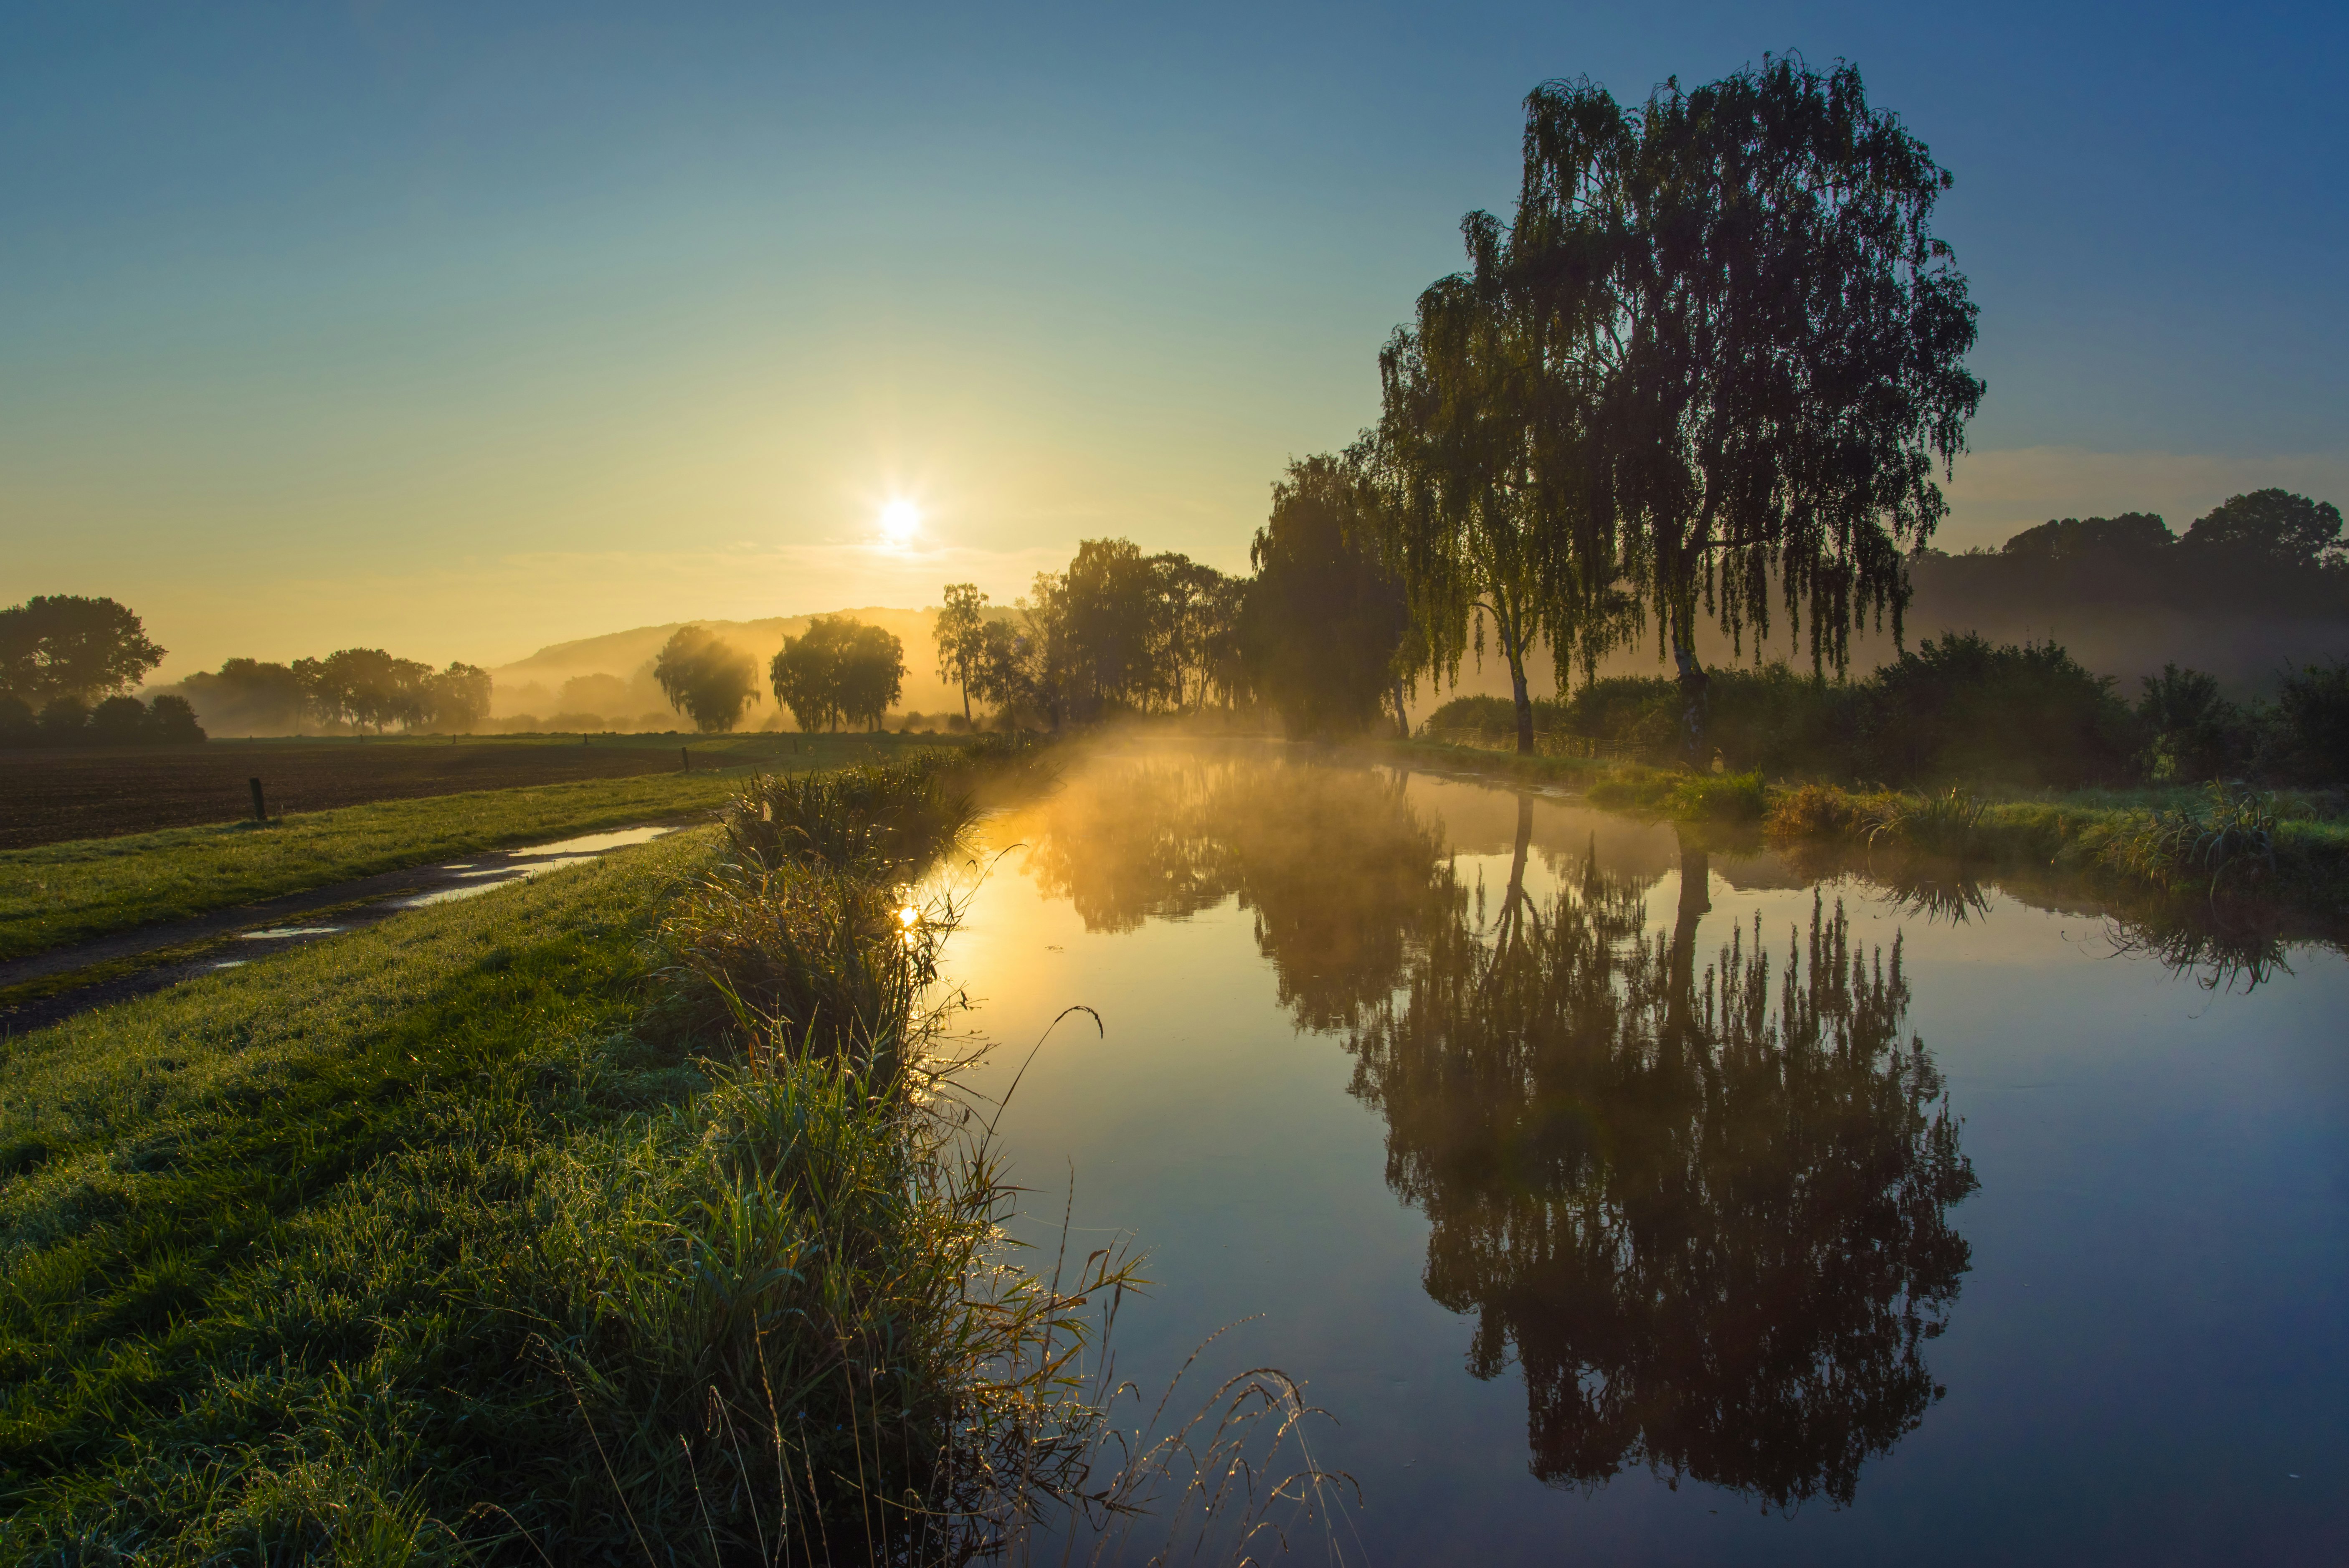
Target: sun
899	519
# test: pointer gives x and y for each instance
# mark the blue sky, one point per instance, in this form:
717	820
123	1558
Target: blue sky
463	329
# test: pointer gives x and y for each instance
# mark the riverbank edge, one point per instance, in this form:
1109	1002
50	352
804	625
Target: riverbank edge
2129	848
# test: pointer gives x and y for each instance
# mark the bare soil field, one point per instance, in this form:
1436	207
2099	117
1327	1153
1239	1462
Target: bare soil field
49	796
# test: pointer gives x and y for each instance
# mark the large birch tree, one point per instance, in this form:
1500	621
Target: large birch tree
1749	274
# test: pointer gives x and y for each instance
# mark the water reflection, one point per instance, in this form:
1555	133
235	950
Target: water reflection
1340	874
1704	1210
1710	1227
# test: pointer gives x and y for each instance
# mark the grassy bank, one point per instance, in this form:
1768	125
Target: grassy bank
1575	772
2213	842
2289	845
60	894
462	1239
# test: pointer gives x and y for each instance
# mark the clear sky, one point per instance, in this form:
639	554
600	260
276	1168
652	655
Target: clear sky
460	329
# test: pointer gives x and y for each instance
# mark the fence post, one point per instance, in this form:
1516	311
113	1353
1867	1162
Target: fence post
685	761
259	811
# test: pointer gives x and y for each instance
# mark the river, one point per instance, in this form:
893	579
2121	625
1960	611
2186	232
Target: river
1628	1197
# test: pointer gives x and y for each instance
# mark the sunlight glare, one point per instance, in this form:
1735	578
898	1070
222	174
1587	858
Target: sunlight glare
899	519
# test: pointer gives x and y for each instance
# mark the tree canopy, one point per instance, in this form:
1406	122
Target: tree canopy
839	668
1323	621
62	645
961	633
2273	526
1118	631
706	678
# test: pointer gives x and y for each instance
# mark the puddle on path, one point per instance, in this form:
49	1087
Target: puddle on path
477	877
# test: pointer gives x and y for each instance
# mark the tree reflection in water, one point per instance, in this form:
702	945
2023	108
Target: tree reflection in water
1705	1215
1710	1229
1340	874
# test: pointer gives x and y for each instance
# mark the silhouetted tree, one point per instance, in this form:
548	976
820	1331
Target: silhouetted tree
706	678
1749	271
61	645
1110	614
806	674
1192	606
248	696
366	686
2090	538
17	725
118	721
2273	526
871	673
457	699
1322	621
171	720
1495	519
840	668
64	720
961	632
1031	664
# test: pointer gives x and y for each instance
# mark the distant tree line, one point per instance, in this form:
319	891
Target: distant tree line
2261	580
364	688
66	665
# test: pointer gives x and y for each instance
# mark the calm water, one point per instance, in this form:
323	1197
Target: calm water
1625	1200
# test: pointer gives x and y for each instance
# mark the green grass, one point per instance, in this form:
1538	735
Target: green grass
187	1264
2292	844
2168	841
442	1242
58	894
1575	770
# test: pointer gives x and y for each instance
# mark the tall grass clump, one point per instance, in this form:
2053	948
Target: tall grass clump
785	1326
1720	798
881	821
2231	840
1941	824
846	1351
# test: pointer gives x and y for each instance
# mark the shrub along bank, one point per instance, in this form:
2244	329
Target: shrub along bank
462	1239
1960	709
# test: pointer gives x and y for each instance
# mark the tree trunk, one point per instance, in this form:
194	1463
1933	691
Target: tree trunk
966	702
1695	708
1403	714
1524	702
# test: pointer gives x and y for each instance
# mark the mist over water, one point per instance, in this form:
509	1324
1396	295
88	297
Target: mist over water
1621	1196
